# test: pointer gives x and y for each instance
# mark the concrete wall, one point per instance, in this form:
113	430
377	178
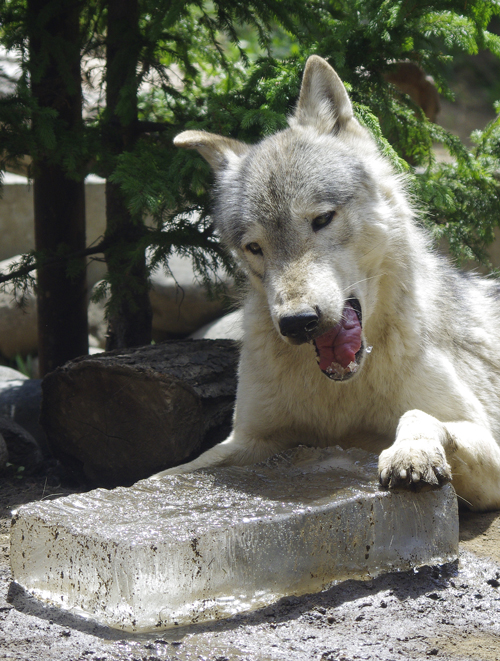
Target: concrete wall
16	219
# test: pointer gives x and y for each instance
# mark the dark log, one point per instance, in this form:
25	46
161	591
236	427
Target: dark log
117	417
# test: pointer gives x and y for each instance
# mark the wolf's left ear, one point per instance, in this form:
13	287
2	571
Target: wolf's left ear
215	149
323	101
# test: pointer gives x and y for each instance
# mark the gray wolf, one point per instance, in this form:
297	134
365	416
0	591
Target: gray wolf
355	332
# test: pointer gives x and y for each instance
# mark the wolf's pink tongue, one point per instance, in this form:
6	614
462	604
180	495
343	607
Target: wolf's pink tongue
340	344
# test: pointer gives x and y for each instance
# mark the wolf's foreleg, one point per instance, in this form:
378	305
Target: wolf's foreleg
236	450
428	452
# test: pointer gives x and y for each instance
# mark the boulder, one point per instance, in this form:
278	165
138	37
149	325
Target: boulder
22	448
9	374
20	401
4	454
98	326
181	304
229	327
18	325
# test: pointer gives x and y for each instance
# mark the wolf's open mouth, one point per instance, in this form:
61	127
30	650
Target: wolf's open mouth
339	350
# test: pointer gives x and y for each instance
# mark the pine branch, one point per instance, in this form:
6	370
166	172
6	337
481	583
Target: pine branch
143	126
23	271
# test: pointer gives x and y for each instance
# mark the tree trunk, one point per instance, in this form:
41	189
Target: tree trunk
129	312
59	199
118	417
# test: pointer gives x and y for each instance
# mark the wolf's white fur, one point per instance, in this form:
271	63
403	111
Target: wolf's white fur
427	397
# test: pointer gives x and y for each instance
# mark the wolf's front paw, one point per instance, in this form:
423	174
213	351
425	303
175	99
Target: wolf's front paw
416	465
417	459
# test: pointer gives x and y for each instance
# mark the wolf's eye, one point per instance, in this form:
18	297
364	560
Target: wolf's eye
254	248
322	221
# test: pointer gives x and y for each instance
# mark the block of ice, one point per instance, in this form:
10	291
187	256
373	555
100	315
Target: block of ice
210	544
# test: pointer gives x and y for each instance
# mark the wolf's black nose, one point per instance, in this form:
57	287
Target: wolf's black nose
298	325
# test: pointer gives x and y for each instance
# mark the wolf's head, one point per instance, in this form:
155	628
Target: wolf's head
305	215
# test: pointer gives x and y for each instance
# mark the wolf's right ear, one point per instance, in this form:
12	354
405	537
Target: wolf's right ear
215	149
323	101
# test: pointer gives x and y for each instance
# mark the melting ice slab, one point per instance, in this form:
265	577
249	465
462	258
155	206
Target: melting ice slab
210	544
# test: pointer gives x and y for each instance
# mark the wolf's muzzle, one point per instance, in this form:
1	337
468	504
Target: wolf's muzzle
299	326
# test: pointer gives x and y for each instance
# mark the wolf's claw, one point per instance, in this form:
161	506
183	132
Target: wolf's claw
426	476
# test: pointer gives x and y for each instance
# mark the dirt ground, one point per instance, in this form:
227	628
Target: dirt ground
451	612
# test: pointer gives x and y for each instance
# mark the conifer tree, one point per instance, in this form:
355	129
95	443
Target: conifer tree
130	314
53	64
234	67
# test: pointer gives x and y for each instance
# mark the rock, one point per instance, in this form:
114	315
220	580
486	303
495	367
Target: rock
119	416
180	303
20	401
98	326
9	374
18	325
229	327
4	453
22	448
